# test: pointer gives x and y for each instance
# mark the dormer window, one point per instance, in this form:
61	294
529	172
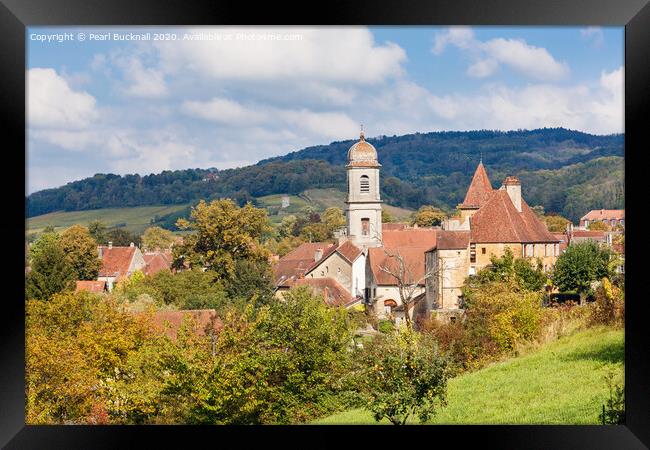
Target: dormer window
365	184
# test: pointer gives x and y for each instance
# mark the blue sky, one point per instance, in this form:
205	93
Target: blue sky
227	97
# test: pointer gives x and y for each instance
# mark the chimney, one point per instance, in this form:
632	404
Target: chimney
100	250
513	188
318	254
110	244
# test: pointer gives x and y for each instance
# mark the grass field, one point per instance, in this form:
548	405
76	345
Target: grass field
136	219
561	383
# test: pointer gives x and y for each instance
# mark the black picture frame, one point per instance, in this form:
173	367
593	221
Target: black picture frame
16	15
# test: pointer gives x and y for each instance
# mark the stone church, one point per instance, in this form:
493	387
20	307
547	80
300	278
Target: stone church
374	264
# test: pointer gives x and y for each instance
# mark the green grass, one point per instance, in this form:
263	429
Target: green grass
136	219
560	383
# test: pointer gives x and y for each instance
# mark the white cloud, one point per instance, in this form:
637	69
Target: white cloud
315	123
594	35
316	56
534	62
52	103
145	82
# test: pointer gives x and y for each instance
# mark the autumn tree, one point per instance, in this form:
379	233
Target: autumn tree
556	223
157	238
51	272
287	226
222	234
386	217
403	375
580	265
428	216
598	226
81	252
333	218
122	238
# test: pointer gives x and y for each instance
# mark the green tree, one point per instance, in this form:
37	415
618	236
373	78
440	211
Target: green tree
157	238
251	280
428	216
222	234
402	375
122	238
51	272
386	217
580	265
97	230
315	232
287	226
81	252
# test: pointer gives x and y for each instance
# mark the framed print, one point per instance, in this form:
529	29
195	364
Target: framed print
407	214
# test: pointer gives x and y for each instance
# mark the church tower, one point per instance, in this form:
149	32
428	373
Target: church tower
363	205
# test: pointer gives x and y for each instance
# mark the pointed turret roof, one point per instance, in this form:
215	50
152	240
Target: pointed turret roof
480	189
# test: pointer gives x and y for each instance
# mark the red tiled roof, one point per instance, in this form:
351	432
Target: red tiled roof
499	221
155	262
413	261
479	190
389	226
619	248
90	286
452	239
607	214
299	261
206	321
116	260
333	293
409	237
592	234
349	251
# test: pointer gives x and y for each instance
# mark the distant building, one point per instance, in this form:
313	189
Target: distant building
205	321
93	286
610	217
157	261
119	263
285	201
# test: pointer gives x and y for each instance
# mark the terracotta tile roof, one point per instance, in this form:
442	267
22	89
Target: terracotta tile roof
333	293
349	251
389	226
299	261
607	214
169	322
155	262
410	237
499	221
115	260
413	260
595	235
619	248
90	286
452	239
479	190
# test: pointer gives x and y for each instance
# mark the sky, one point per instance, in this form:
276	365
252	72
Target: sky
100	101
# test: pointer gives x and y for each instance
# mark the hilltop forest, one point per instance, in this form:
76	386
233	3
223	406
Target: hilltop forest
567	172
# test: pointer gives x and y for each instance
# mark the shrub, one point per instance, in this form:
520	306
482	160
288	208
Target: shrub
385	326
609	307
561	319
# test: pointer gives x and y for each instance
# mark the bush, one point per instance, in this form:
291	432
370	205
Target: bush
609	307
385	326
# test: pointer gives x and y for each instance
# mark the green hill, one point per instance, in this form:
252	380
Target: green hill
561	383
417	169
133	219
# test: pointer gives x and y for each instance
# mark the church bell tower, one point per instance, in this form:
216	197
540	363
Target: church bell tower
363	204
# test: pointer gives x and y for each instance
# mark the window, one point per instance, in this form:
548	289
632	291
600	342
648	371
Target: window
483	250
556	249
365	184
472	253
546	252
365	226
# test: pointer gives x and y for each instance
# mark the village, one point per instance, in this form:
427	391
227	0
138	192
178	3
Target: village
397	271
